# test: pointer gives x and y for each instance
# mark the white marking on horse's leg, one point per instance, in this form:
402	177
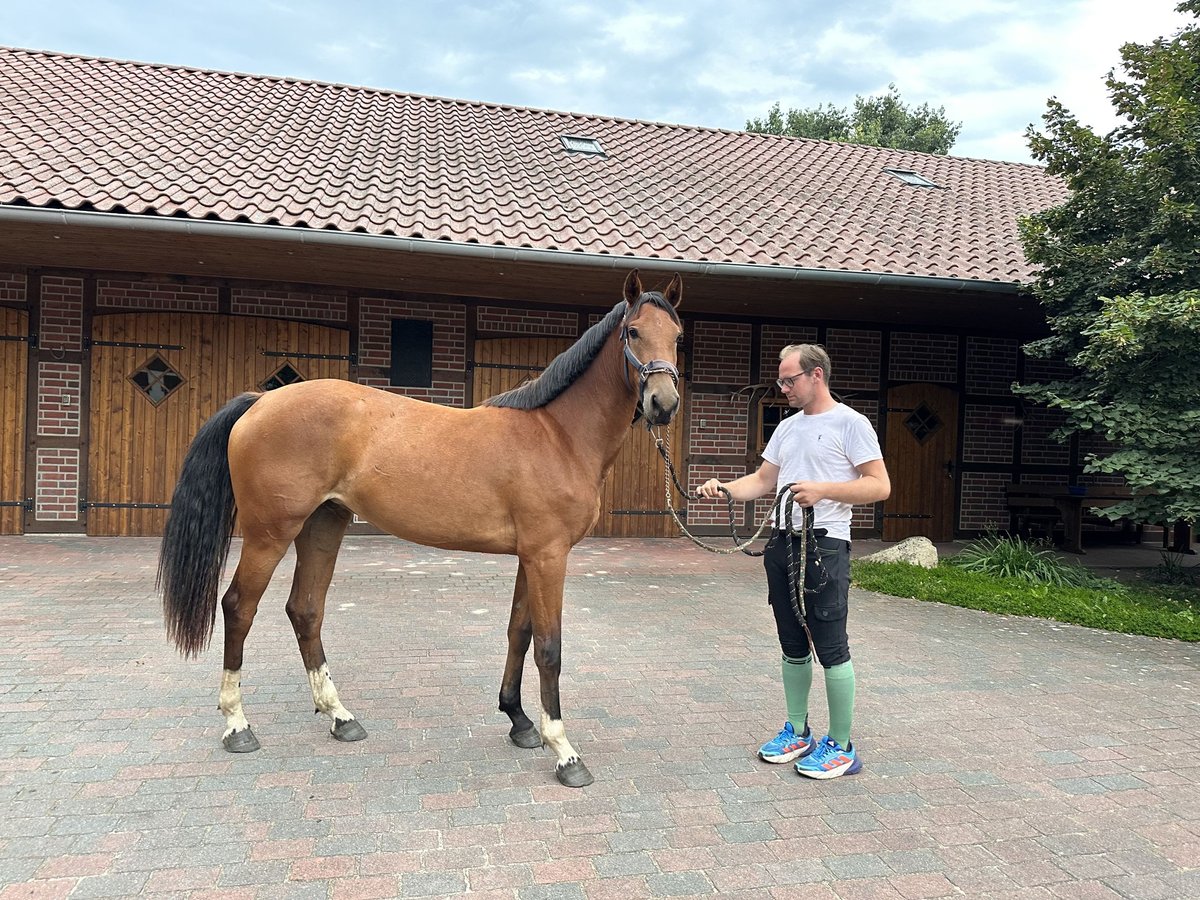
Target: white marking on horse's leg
554	736
230	702
325	696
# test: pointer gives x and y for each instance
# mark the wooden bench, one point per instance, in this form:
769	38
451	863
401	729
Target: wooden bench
1050	503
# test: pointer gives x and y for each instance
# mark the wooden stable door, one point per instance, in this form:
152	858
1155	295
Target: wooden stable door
156	378
922	446
634	497
14	364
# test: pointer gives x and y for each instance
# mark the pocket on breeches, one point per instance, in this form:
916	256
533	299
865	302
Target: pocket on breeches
831	565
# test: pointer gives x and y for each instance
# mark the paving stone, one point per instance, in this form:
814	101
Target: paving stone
122	767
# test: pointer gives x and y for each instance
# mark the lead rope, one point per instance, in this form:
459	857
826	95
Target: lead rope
786	499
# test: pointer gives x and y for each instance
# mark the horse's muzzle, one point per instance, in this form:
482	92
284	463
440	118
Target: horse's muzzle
660	401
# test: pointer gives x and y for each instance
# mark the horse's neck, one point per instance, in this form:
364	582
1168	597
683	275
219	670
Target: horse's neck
597	408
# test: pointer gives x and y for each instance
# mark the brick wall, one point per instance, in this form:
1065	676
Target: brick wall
984	505
61	327
719	422
774	339
548	323
991	365
323	306
923	357
703	513
58	412
12	287
721	353
719	425
1037	446
57	496
164	296
855	358
988	434
449	345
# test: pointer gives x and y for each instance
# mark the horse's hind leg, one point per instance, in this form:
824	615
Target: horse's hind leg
316	554
258	560
520	631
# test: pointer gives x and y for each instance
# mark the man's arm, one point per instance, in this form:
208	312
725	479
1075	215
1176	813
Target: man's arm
871	485
748	487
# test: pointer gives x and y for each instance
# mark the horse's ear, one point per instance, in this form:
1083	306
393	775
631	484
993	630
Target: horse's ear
633	287
674	292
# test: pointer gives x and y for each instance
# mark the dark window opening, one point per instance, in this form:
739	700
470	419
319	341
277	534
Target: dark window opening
412	353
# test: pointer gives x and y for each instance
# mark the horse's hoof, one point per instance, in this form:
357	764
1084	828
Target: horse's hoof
242	741
348	730
528	739
574	774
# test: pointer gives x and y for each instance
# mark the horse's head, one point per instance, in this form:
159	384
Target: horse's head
652	331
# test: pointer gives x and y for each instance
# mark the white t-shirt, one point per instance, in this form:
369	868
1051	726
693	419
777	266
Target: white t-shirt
826	447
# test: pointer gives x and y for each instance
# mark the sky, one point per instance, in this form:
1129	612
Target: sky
992	64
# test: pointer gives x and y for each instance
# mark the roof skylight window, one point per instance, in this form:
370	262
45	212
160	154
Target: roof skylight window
576	144
912	178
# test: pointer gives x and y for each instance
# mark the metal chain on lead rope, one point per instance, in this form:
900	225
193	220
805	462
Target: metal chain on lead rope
786	499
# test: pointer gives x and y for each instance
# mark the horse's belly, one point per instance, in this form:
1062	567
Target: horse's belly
445	524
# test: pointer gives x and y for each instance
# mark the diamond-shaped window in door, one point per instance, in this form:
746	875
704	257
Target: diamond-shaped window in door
156	379
285	374
923	422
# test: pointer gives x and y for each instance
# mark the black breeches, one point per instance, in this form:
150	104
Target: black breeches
825	610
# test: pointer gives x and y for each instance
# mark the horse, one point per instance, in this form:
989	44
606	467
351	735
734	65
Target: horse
520	475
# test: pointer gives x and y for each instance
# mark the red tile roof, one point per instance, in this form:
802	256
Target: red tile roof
131	137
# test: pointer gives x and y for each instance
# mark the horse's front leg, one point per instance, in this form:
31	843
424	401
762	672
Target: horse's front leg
545	574
520	631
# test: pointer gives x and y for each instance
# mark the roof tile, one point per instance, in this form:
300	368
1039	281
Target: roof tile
108	135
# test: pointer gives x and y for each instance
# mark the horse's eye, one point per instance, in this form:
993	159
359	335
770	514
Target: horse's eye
633	333
679	340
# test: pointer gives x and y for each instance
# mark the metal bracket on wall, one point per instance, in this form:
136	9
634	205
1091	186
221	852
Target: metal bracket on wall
88	344
682	513
26	504
352	358
86	504
31	338
907	516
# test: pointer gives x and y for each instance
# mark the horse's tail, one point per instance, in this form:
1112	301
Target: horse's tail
199	530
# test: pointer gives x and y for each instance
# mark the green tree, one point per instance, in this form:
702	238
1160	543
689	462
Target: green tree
1119	275
883	121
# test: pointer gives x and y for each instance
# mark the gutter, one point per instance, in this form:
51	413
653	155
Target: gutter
208	228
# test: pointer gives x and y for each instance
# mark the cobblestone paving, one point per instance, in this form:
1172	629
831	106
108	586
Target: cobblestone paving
1004	757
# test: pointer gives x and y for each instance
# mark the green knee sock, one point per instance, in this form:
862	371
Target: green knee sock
797	681
839	691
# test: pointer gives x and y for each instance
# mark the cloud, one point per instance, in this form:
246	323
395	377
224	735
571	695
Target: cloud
991	63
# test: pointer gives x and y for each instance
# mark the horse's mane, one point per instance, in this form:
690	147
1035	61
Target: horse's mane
565	368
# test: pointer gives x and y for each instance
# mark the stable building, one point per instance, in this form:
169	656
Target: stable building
170	237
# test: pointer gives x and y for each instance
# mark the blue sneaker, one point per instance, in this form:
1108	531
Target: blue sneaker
829	760
787	745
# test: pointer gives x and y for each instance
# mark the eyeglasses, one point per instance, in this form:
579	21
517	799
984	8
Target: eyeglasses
790	382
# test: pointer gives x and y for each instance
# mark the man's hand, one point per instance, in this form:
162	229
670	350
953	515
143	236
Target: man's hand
807	493
710	489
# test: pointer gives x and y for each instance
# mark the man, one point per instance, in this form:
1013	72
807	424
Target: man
830	455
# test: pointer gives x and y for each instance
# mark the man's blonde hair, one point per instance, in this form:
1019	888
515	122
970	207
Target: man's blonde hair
811	356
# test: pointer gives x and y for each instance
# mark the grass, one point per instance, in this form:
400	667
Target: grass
1148	608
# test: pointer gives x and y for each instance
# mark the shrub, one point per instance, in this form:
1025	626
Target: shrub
1002	556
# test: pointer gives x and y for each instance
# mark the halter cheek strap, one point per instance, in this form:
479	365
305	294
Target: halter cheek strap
644	370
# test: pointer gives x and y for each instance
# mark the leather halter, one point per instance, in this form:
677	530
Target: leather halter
644	370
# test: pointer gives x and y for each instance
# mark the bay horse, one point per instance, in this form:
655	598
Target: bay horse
520	475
